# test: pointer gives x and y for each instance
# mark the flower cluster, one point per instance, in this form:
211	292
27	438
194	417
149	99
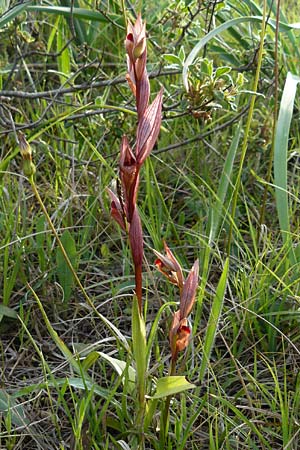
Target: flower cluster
124	203
180	330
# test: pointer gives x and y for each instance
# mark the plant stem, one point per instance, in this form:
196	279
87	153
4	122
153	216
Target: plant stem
164	423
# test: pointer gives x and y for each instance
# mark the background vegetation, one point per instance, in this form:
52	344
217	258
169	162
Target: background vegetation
208	189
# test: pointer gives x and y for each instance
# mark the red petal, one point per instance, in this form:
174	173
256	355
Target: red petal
188	294
148	129
136	239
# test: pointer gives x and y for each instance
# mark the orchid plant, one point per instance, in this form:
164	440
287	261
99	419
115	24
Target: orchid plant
123	205
125	212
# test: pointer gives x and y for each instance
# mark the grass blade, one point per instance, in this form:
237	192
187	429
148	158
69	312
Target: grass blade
281	153
213	321
217	208
78	13
64	273
13	12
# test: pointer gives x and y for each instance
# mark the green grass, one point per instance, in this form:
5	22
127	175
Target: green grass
70	361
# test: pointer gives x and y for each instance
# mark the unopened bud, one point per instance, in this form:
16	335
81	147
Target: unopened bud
139	48
29	168
25	148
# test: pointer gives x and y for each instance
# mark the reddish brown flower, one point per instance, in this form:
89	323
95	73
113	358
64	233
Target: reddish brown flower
169	266
135	42
137	77
180	331
116	209
123	205
129	175
148	129
179	335
188	294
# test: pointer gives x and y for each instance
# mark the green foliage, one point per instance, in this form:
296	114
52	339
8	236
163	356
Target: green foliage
281	157
64	273
69	374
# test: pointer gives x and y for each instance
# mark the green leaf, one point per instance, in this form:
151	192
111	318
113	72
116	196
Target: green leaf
9	15
90	360
120	367
154	328
213	321
40	242
230	23
8	312
9	406
79	383
172	59
171	385
65	275
281	155
220	71
216	212
64	63
78	13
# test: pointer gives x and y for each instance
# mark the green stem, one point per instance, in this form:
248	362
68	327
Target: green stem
164	424
247	128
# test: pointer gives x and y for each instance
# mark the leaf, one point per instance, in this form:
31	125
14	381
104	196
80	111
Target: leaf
171	385
13	12
213	321
123	445
154	328
65	275
230	23
172	59
58	341
78	13
79	383
9	406
281	155
8	312
215	213
90	360
63	60
120	367
220	71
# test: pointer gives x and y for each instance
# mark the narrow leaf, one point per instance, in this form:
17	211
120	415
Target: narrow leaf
213	321
13	12
78	13
65	275
281	154
120	367
216	211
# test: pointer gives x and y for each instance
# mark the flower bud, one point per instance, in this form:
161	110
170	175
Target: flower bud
24	146
29	168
